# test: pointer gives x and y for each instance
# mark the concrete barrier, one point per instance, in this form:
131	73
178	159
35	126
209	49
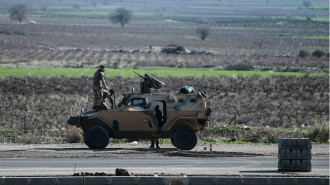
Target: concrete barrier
168	180
294	154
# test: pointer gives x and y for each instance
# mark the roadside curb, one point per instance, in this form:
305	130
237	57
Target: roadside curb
210	180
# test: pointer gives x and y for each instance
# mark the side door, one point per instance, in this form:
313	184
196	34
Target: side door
138	117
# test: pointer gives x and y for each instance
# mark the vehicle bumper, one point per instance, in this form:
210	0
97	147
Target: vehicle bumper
76	120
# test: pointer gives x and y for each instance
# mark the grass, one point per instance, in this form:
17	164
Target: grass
10	132
226	128
302	18
159	72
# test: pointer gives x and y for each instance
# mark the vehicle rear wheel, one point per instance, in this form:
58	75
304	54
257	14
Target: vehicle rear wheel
96	138
185	138
172	141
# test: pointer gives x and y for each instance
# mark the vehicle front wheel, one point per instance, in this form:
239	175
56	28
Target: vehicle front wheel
185	138
96	138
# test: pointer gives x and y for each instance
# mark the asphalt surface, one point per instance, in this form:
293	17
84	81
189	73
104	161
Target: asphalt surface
161	166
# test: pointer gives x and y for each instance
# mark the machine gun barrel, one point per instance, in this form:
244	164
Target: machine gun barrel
139	75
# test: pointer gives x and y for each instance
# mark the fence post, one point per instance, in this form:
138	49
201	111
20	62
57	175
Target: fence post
24	125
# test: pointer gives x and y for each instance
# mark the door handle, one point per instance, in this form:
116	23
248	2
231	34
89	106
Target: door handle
146	120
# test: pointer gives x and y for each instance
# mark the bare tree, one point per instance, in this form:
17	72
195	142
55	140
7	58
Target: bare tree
18	12
43	8
121	15
306	4
203	31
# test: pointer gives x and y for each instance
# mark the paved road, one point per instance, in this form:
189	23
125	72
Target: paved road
176	166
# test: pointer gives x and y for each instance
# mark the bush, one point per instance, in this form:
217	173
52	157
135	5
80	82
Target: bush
203	31
269	135
240	67
173	49
303	53
319	133
318	53
74	135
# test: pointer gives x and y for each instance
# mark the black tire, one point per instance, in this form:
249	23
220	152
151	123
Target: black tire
96	138
172	141
185	138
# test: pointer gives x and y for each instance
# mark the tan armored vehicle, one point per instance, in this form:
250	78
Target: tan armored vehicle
182	115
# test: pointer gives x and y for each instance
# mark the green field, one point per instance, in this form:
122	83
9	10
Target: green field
159	72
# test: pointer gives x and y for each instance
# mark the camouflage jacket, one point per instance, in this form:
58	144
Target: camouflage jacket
98	80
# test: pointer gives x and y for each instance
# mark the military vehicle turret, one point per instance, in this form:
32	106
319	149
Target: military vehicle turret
183	114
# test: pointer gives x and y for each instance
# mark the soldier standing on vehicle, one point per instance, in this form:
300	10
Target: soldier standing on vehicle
98	85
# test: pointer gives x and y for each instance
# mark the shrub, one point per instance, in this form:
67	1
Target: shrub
318	53
307	4
121	15
18	12
203	31
319	133
245	66
303	53
74	135
269	135
173	49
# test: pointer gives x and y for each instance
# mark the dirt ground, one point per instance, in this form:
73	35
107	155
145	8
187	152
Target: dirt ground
10	151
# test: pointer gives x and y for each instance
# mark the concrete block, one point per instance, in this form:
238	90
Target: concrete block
97	181
151	181
229	180
295	143
70	180
306	164
299	152
175	180
16	181
43	180
306	143
287	164
306	154
201	180
2	182
124	180
287	154
294	154
311	181
282	181
255	181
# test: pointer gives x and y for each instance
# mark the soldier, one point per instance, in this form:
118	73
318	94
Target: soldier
107	95
159	118
98	85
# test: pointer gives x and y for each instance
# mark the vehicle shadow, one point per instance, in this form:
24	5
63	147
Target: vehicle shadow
260	171
157	150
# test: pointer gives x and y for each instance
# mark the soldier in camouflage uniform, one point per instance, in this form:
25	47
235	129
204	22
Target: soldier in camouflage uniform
98	85
159	118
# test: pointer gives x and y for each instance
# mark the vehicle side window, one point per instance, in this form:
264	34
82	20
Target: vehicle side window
136	102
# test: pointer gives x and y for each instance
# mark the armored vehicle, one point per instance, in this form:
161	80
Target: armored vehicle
182	115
